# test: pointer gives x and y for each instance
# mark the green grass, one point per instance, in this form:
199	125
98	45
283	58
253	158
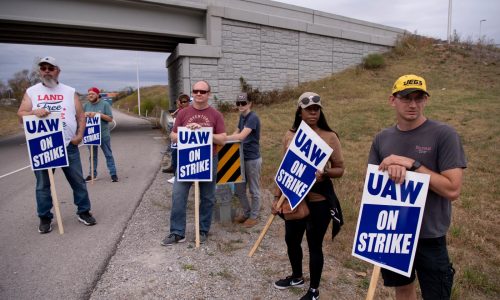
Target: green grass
153	100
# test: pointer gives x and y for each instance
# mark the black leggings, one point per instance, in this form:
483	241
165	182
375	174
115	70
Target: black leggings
315	226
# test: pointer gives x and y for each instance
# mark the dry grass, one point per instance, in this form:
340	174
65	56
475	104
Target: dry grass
9	124
463	82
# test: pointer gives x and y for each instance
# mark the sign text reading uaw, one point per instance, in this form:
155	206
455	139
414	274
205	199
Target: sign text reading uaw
92	133
45	140
389	220
306	154
194	149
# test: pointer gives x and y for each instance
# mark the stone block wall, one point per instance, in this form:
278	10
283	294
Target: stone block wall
272	58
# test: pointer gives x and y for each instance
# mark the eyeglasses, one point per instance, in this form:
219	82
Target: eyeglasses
419	98
241	103
45	68
201	92
314	99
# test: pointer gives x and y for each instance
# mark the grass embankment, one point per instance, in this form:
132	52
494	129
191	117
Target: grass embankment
464	87
153	100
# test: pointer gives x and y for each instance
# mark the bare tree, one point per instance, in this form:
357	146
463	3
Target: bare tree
21	81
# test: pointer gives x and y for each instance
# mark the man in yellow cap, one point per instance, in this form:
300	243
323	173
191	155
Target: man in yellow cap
426	146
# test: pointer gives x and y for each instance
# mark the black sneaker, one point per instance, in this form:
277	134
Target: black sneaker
86	218
89	178
171	239
170	169
312	294
289	282
114	178
203	237
45	225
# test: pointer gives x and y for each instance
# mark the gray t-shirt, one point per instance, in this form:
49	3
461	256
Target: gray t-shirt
102	107
435	145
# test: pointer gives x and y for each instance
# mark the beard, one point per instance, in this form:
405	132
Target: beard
49	81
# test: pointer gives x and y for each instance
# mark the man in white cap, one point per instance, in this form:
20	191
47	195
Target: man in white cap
39	101
430	147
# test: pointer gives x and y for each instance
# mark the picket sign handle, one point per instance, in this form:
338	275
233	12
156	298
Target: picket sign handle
266	228
92	164
197	212
373	283
55	202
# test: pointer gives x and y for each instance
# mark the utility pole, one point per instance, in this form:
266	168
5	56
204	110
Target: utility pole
449	22
480	23
138	87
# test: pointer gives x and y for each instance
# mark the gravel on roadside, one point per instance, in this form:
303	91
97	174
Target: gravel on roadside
220	269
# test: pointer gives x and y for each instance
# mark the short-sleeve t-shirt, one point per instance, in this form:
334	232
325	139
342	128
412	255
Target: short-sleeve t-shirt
251	146
102	107
436	146
208	117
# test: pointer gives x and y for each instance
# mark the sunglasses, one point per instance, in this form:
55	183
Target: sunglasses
307	100
45	68
184	101
407	99
241	103
201	92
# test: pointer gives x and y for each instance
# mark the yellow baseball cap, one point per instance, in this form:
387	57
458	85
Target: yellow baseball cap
408	84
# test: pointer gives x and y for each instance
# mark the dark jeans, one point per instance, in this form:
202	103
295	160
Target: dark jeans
74	175
108	154
173	162
315	226
433	268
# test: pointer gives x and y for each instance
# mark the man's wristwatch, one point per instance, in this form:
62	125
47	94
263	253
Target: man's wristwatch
416	165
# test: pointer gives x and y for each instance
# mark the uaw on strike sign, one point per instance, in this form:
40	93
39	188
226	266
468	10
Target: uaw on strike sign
92	133
45	140
194	154
389	220
306	154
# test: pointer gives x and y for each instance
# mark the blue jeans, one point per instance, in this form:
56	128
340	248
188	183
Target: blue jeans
180	193
74	175
106	149
252	179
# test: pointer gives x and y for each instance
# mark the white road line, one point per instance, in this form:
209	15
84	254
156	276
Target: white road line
5	175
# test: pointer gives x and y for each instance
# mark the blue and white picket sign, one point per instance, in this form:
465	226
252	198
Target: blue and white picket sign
306	154
92	133
389	220
194	154
45	140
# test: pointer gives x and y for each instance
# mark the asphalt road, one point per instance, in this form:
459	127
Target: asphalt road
54	266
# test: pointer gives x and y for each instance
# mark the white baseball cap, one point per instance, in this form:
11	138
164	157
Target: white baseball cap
49	60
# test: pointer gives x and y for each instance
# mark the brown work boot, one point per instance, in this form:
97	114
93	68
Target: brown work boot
240	219
250	223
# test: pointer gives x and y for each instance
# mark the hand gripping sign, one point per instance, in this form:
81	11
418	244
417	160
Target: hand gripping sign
389	220
296	175
306	154
194	154
194	163
92	133
45	140
92	137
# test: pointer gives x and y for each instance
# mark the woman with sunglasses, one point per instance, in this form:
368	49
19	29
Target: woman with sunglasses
248	132
182	102
321	200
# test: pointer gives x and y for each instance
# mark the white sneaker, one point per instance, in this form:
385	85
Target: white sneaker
171	180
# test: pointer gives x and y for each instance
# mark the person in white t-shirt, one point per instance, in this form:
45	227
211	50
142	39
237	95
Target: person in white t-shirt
40	100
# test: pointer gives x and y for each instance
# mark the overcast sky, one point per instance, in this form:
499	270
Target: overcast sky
115	69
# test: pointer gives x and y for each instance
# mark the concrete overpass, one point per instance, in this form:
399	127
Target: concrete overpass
270	44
